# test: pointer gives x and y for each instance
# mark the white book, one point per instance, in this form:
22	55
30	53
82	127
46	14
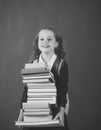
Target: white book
37	110
40	94
36	77
35	80
37	74
44	84
37	118
34	71
50	123
34	65
36	113
50	101
37	66
35	104
41	90
41	85
41	98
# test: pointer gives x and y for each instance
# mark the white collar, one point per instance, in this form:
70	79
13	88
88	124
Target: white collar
50	63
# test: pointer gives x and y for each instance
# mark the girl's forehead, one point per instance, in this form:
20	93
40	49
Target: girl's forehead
46	33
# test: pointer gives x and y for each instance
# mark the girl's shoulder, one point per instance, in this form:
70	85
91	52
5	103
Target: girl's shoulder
59	64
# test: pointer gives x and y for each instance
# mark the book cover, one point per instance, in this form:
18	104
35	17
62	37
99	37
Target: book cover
37	118
41	94
36	113
37	110
50	101
41	98
37	77
36	80
52	123
42	90
34	71
34	65
41	85
35	104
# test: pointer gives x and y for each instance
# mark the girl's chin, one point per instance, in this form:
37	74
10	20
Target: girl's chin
47	52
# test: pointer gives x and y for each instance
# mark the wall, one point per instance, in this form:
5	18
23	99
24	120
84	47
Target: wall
79	24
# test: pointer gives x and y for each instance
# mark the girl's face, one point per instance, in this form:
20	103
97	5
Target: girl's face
46	41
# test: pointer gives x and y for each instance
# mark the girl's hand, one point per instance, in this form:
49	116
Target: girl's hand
60	116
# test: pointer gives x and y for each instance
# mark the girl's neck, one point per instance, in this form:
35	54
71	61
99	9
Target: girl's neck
47	56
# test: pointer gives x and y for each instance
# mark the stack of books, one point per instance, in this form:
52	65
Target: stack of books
41	96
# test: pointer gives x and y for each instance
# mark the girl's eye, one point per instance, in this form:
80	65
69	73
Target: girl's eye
41	39
49	39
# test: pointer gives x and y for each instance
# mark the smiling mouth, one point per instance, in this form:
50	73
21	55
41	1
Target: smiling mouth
45	46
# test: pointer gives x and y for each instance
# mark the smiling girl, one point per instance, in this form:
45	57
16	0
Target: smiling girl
48	49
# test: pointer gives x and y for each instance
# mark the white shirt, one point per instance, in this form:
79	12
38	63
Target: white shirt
50	63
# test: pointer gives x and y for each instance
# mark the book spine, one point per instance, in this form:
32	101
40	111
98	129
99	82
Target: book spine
41	84
49	101
41	113
41	90
33	71
35	80
37	110
37	119
36	77
35	104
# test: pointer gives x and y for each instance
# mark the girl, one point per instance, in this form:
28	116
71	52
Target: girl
48	48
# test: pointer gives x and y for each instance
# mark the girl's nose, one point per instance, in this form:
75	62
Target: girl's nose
45	41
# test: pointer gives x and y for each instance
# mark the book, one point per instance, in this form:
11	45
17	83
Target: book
36	80
37	77
52	123
37	110
49	101
34	71
35	104
36	113
29	118
35	90
41	85
41	94
34	65
41	98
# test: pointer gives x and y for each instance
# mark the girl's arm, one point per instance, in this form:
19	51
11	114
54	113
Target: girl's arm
63	89
63	84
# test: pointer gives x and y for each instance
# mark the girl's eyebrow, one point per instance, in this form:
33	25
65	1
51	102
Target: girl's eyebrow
48	36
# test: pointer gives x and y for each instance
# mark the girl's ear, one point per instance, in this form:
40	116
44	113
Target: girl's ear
56	44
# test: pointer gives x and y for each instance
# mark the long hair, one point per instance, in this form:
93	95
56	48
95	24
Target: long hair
59	50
